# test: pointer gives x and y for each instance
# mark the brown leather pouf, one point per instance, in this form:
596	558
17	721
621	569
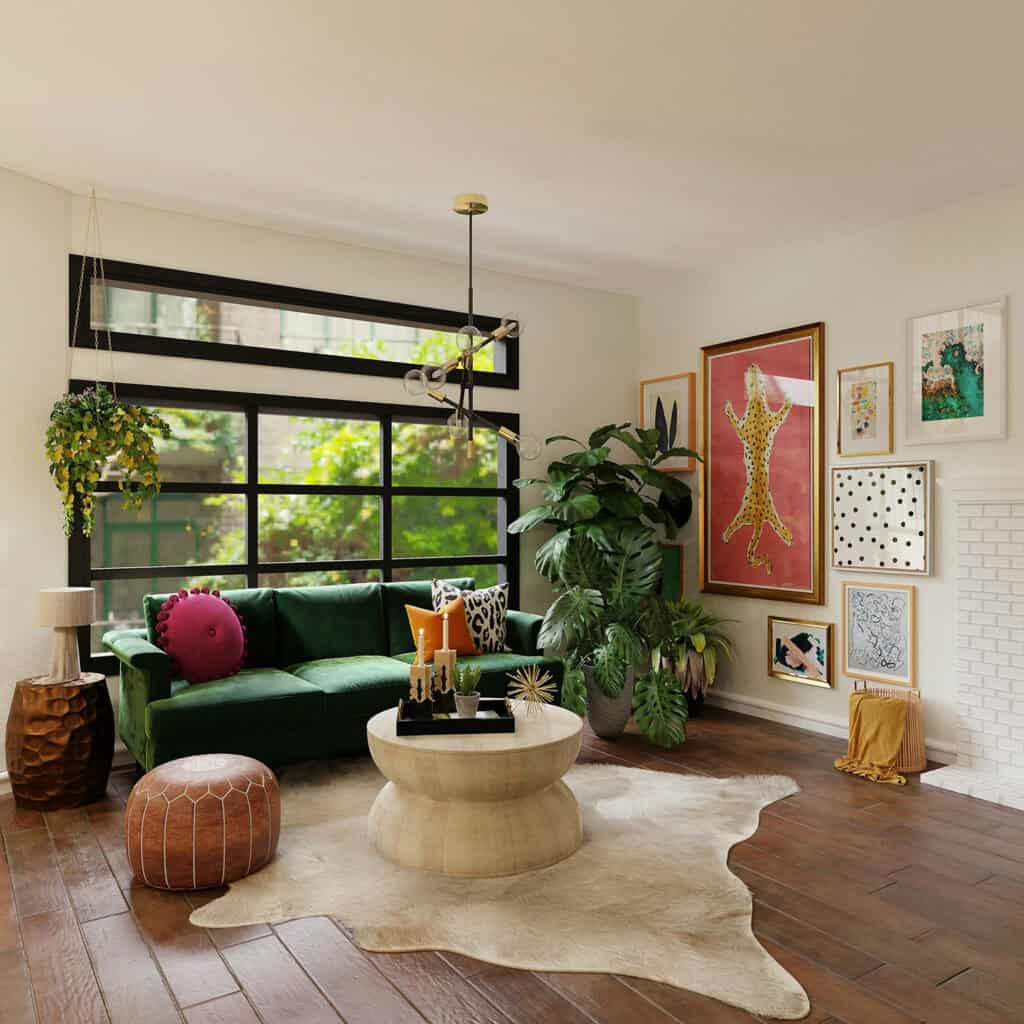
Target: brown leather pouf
202	821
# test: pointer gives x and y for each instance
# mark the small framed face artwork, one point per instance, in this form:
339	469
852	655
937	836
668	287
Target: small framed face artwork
669	405
800	651
956	375
879	632
881	517
864	410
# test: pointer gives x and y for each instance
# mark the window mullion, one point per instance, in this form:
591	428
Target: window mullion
386	515
252	508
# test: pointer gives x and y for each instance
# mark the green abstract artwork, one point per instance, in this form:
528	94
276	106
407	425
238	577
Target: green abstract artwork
953	373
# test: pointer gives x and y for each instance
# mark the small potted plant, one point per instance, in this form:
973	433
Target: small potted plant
467	696
698	642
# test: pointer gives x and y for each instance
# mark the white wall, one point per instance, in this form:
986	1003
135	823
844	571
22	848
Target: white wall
576	368
864	288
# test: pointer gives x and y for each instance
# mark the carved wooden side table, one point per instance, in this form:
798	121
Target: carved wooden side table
60	742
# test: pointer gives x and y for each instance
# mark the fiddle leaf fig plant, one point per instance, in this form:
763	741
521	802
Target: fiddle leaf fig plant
604	564
92	431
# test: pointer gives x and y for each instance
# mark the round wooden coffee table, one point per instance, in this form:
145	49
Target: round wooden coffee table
477	806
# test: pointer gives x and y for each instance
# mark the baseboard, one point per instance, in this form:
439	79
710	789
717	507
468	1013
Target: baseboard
122	759
937	750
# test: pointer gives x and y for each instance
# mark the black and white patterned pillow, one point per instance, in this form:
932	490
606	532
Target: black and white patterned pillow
486	611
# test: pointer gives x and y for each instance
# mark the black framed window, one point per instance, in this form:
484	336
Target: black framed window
262	490
160	311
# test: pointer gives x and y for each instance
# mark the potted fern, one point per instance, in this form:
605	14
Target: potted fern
695	648
604	565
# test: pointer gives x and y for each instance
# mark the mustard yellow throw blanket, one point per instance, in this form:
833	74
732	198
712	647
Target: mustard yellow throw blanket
877	725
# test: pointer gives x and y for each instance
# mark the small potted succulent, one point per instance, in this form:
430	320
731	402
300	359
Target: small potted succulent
467	694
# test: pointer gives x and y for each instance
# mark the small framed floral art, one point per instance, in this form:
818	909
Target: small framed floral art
864	424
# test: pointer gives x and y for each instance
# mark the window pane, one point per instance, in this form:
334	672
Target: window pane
484	575
427	455
170	529
135	309
318	527
314	450
119	602
319	579
442	525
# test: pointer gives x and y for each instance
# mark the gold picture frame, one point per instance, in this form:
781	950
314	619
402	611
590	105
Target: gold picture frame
813	563
889	390
794	676
881	618
690	441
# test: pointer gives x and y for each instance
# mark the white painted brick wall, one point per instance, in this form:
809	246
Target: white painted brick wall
990	627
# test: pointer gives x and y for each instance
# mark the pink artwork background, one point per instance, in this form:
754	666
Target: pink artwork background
791	468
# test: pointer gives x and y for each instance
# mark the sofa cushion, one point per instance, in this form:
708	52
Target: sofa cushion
397	596
486	611
356	687
256	607
329	622
494	669
203	634
262	712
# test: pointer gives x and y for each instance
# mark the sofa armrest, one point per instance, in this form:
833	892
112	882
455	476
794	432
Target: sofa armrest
143	665
522	632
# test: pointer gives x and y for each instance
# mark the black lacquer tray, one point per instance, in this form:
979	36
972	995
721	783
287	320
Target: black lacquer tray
413	721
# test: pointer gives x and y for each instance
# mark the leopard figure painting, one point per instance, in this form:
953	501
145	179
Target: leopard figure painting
757	431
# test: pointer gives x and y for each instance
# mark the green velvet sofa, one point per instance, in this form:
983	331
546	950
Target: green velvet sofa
321	662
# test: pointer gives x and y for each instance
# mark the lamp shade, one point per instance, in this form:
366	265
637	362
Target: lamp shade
66	606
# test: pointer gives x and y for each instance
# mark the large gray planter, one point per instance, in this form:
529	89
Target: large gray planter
608	716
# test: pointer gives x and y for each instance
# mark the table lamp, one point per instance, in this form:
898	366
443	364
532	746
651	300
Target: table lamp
65	609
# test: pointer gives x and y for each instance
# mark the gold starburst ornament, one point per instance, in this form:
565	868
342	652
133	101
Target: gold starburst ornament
533	686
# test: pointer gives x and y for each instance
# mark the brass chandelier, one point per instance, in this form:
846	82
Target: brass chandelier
431	380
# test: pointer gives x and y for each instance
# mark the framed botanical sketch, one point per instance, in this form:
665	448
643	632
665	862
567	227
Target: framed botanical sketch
763	408
882	517
880	632
956	379
864	419
800	651
669	405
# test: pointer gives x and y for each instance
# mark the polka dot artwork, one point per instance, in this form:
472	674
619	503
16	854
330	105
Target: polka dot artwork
881	518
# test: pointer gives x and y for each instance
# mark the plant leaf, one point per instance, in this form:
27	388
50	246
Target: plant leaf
551	554
660	708
624	642
579	506
710	664
570	618
680	453
620	501
699	641
588	458
563	437
531	518
609	671
574	690
600	436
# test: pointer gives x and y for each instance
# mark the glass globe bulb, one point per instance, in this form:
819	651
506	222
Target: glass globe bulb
415	382
468	336
529	447
458	426
435	376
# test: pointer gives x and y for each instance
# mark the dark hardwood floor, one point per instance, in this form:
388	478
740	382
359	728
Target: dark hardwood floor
890	905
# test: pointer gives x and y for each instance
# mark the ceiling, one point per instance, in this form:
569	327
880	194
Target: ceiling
618	141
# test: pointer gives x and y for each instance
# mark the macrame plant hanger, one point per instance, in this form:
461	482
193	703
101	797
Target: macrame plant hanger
92	226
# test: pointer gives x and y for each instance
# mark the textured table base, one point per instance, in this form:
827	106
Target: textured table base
476	839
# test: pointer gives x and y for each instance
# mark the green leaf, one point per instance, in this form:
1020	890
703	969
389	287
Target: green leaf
681	453
625	643
644	448
620	501
572	510
588	458
670	485
710	664
551	554
699	642
563	437
529	482
609	671
583	565
574	690
570	618
660	708
531	518
601	435
637	570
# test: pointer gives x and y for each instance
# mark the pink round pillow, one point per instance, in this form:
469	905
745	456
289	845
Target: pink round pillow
203	634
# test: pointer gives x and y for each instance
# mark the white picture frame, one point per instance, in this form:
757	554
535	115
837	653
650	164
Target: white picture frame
880	633
881	517
962	354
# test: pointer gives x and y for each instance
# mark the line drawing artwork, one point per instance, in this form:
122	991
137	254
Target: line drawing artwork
757	430
877	639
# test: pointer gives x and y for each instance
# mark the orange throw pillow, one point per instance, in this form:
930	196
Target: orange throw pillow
432	624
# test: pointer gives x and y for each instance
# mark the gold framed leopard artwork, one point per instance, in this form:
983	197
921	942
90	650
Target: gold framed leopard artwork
762	499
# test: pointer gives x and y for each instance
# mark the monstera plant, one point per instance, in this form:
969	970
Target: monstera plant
604	564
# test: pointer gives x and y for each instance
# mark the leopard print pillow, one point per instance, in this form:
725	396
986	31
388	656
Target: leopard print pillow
486	611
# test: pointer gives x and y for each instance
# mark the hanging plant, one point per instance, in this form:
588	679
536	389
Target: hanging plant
92	431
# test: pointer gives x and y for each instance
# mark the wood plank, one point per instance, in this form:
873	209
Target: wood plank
465	965
16	819
994	961
9	938
987	863
186	956
1003	888
132	987
108	828
234	1009
525	999
63	982
812	943
688	1007
356	989
607	999
92	888
38	888
987	990
222	937
16	989
436	989
836	995
935	1005
277	987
